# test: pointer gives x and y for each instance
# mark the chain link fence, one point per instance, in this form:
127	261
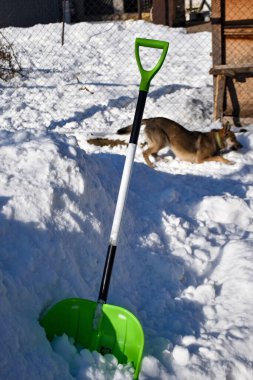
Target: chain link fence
238	39
233	58
70	52
98	57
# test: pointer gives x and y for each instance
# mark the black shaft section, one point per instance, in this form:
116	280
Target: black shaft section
138	117
105	282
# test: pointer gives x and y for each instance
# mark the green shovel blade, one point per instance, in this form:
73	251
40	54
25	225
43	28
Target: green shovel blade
119	332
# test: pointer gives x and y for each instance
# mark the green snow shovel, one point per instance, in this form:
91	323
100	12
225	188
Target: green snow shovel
99	326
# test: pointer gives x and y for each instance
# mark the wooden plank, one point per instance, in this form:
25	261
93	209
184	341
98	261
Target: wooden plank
239	33
231	70
217	44
247	23
216	8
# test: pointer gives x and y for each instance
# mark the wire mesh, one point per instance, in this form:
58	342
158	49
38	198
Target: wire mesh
233	49
92	52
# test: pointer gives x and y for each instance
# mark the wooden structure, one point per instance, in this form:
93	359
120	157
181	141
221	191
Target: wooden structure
169	12
232	32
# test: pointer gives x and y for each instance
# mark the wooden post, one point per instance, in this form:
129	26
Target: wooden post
172	13
160	12
169	12
63	22
219	97
139	10
217	21
217	31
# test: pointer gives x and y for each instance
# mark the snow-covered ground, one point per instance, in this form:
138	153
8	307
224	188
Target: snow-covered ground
184	263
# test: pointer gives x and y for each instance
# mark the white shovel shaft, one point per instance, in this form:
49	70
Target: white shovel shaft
123	190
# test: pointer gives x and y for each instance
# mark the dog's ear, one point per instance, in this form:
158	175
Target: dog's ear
226	127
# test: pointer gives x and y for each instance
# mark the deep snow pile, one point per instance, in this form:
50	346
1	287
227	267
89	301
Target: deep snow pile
184	265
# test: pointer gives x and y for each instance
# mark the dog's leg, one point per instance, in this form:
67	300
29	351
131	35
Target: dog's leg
156	157
216	159
147	153
156	139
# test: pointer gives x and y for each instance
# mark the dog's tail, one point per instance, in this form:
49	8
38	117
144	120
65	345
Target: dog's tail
125	130
128	129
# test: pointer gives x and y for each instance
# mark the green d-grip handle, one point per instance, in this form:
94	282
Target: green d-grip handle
147	75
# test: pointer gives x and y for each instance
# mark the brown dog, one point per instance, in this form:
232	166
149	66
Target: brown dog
195	147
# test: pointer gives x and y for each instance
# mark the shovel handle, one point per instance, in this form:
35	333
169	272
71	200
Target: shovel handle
147	75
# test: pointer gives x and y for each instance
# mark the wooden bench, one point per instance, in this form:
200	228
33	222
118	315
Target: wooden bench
224	77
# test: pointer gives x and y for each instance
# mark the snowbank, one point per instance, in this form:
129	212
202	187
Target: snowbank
184	264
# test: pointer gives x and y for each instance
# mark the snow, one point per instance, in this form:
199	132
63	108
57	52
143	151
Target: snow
180	355
184	263
89	365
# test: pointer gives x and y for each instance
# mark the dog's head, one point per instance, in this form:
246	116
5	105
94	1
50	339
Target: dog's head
228	138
